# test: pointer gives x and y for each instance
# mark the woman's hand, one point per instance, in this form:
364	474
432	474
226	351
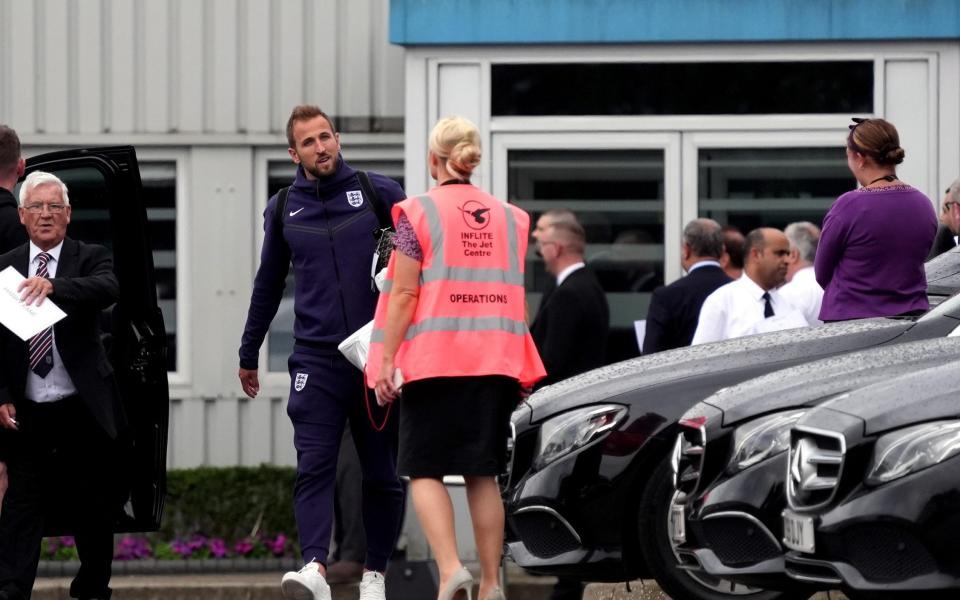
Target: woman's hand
386	391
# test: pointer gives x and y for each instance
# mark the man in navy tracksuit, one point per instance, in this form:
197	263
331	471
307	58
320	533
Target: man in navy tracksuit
327	232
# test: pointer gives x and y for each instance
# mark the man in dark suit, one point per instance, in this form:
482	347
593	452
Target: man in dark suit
948	234
59	403
11	169
573	322
674	309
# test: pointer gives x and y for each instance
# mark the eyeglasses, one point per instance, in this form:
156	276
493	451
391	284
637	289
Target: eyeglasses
36	209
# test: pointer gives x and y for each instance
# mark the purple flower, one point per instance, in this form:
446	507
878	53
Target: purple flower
243	547
67	541
132	548
218	548
277	546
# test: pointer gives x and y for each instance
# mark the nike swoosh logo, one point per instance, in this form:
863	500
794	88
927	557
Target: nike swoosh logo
293	212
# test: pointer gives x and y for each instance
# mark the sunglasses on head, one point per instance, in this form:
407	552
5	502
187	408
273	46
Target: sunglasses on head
856	122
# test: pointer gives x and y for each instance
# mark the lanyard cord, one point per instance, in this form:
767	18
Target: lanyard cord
366	401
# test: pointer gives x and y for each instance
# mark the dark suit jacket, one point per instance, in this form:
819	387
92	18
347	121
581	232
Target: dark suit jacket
571	327
12	231
674	309
943	242
84	286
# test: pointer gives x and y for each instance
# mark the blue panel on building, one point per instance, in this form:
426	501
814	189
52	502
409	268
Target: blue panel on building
459	22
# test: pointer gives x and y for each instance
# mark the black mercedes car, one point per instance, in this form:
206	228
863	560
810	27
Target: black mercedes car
590	489
108	208
873	487
731	456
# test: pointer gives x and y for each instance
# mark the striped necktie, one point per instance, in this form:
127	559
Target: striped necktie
41	345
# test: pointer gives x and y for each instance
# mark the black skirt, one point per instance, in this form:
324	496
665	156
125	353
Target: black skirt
456	425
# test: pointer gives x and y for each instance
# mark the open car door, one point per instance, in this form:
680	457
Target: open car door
108	209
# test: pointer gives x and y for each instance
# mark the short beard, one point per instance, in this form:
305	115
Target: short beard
313	170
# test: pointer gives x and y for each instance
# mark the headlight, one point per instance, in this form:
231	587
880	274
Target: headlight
564	433
912	449
761	438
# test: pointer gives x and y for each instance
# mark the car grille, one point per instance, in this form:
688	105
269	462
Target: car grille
886	553
544	533
814	467
739	540
688	456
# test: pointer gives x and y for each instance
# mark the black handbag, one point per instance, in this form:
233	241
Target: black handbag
384	234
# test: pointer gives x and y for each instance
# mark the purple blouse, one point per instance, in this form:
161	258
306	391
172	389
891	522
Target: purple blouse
871	253
406	239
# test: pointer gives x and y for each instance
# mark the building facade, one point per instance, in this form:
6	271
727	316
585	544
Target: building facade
642	116
203	90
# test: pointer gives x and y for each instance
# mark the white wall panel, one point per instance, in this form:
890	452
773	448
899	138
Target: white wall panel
154	68
908	106
119	56
87	66
255	84
19	33
187	66
188	111
54	61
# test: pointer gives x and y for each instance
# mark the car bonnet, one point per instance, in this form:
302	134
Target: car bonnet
925	395
610	382
817	381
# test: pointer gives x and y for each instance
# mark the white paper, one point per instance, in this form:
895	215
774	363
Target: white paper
640	328
24	321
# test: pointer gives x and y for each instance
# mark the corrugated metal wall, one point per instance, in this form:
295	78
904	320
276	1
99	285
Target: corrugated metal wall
195	66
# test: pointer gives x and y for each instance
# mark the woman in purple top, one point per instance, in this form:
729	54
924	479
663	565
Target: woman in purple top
875	238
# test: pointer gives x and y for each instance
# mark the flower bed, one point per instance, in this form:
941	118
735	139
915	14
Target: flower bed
232	517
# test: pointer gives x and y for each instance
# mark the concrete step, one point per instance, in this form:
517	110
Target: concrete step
266	586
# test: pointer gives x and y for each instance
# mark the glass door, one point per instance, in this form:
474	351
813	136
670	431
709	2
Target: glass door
625	190
763	179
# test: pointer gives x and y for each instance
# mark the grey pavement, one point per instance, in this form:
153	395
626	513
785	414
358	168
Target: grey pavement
263	586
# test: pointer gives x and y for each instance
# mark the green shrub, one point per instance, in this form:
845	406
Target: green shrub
229	502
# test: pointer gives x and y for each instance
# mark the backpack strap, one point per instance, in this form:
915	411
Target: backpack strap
278	212
378	207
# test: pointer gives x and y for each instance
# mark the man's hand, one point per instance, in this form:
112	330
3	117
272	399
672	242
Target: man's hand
8	416
249	382
34	290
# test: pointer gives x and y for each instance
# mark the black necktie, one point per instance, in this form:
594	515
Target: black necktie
41	345
767	307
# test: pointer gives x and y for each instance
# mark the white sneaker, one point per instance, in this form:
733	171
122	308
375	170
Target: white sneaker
305	584
373	586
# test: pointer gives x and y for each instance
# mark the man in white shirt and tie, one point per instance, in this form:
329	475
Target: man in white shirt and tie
751	304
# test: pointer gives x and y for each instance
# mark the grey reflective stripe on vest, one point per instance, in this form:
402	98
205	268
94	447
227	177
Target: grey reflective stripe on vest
439	270
459	324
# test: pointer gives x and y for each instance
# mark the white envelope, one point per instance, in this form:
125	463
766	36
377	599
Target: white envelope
24	321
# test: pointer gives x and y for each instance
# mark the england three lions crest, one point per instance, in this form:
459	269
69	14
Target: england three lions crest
301	381
355	198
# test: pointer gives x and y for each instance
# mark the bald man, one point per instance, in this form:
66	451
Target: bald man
752	304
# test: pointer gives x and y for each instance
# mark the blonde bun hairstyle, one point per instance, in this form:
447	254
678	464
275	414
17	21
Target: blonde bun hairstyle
456	142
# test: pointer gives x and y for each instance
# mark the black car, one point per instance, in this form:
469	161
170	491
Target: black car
590	488
731	456
108	208
873	487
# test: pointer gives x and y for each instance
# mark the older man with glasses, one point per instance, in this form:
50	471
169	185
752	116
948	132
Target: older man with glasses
948	234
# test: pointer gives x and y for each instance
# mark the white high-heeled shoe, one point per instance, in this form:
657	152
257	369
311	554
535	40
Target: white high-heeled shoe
461	580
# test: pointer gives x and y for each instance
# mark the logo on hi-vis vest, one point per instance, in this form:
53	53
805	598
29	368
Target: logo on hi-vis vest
301	381
355	198
475	215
